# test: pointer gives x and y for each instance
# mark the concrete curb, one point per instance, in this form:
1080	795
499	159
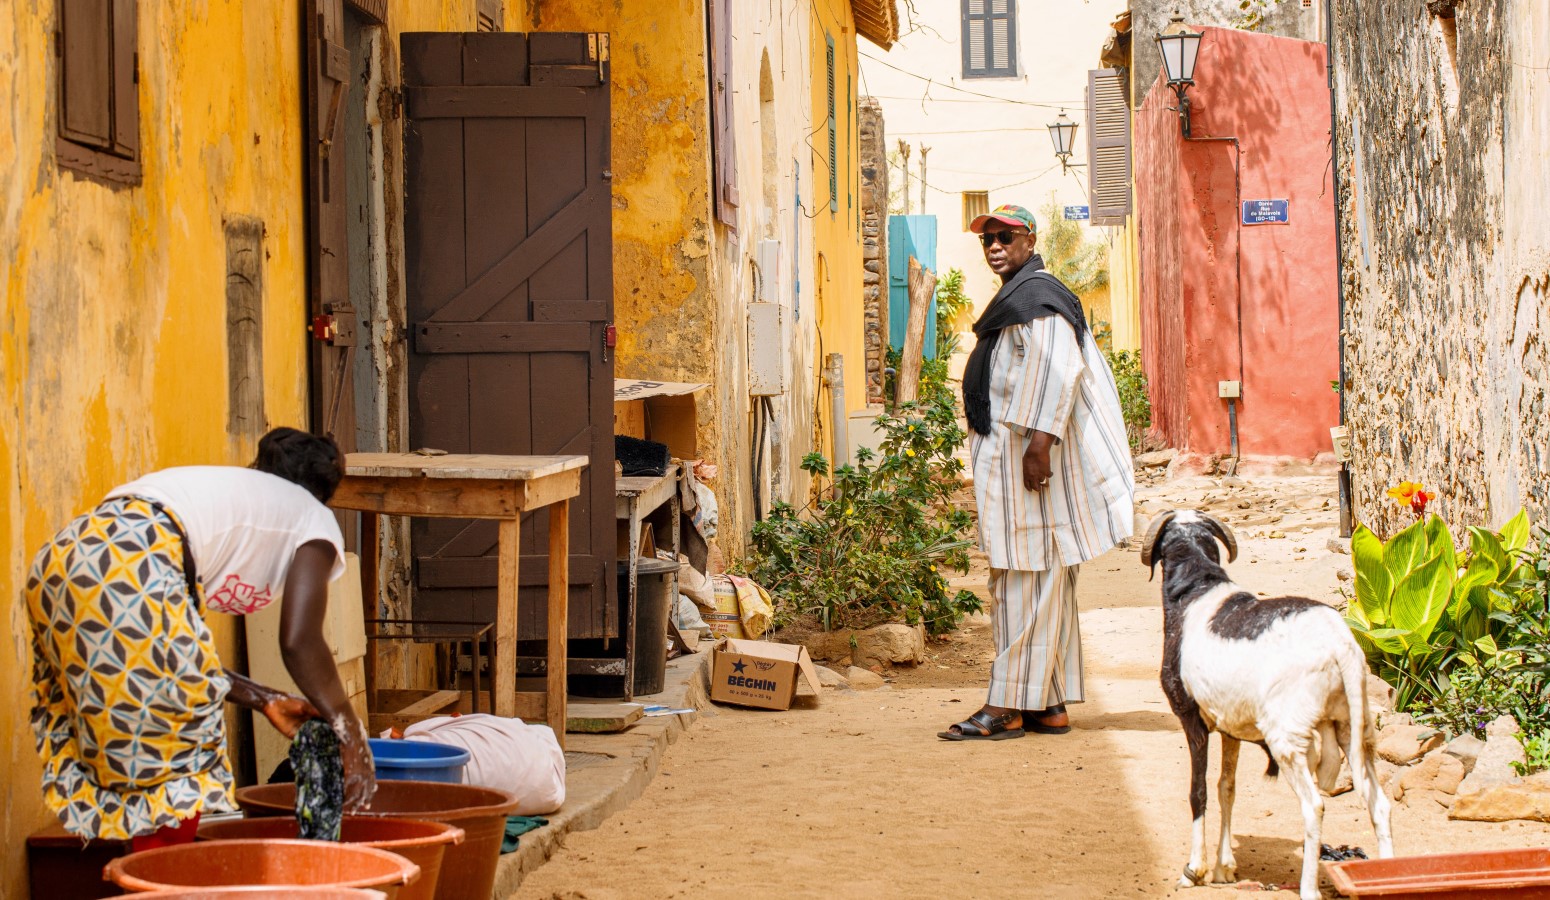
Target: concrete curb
606	772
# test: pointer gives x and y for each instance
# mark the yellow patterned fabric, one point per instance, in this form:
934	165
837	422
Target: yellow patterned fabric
127	687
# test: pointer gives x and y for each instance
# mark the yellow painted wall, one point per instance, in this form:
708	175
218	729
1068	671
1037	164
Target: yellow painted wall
836	268
112	317
1125	286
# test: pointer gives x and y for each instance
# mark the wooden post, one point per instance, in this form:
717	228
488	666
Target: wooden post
503	649
922	287
556	667
370	592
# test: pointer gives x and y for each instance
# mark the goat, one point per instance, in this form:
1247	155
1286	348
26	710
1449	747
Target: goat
1284	673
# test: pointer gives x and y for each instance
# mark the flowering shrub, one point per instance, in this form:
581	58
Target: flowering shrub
1414	495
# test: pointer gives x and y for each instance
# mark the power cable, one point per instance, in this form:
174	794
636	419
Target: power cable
959	89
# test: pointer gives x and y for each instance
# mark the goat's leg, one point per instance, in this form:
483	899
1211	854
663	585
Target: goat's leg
1195	872
1299	772
1226	791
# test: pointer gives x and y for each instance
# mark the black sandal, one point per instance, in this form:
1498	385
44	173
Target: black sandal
1032	723
982	726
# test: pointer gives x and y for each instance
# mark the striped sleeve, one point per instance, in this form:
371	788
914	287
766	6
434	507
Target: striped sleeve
1046	378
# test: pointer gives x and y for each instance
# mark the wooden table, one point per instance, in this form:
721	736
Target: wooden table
635	498
478	487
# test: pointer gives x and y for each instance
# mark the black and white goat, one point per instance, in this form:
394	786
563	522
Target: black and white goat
1284	673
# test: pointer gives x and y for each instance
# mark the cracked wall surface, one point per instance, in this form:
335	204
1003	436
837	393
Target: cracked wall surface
1446	252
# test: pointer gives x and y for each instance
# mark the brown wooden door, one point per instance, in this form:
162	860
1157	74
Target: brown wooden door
328	266
510	293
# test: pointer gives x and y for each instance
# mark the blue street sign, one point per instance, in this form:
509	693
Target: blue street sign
1078	213
1267	212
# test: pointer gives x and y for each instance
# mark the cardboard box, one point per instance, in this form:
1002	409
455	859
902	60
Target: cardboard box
661	411
759	673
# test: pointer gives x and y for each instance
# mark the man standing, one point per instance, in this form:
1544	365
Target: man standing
1052	478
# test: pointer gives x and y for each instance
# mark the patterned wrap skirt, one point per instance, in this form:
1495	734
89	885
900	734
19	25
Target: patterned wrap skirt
127	689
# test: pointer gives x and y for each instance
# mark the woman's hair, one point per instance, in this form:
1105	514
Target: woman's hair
310	460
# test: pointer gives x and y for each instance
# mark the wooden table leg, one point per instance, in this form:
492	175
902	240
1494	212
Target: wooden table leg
503	665
559	617
370	598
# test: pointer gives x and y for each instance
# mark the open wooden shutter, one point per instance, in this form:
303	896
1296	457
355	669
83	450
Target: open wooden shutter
328	273
1108	144
86	72
724	158
126	106
834	170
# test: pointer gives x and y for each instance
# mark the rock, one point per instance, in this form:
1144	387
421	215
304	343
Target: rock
863	680
1276	534
1517	798
1345	574
1380	696
1335	545
828	645
1502	726
1388	720
1438	771
1156	459
832	679
886	644
1402	744
1494	764
1466	749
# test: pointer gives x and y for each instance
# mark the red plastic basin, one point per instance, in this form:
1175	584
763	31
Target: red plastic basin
422	843
268	863
1480	874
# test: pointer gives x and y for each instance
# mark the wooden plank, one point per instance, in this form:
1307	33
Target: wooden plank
370	541
392	496
530	707
439	702
922	286
503	667
500	337
480	571
460	465
602	718
492	101
559	615
548	490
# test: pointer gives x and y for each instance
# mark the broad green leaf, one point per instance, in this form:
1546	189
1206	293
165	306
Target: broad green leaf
1484	544
1405	552
1515	532
1389	640
1439	539
1374	584
1487	645
1421	597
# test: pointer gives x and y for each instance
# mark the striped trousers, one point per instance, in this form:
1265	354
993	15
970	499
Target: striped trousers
1038	638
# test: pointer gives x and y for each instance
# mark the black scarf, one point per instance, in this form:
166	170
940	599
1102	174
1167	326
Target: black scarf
1024	298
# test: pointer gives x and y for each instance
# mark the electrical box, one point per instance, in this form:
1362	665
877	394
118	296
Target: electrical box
767	349
768	288
1229	390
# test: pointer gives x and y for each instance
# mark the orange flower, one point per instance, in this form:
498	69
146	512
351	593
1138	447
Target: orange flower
1404	491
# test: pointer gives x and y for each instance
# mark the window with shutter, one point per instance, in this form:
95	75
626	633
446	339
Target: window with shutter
99	111
975	204
490	15
834	169
724	151
989	38
1108	137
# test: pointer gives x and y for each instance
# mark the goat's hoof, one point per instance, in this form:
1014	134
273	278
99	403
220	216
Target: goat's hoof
1194	877
1225	874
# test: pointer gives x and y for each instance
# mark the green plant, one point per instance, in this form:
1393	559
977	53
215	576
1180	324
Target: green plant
1536	752
1477	695
950	304
1083	265
1422	607
1130	378
874	544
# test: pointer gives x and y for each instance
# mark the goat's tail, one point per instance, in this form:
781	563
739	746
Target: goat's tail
1362	745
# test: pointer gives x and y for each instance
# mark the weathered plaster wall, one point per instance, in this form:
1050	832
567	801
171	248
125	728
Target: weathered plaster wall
1270	93
1447	254
113	309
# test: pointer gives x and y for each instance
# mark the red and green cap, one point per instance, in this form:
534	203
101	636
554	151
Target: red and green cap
1005	214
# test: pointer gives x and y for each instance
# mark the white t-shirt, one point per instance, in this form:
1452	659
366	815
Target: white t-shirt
244	527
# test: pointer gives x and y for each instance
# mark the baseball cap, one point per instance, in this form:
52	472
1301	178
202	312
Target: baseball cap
1005	214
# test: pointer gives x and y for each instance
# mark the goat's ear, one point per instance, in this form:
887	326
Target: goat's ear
1153	535
1223	534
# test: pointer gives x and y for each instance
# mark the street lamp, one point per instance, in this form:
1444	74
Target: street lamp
1062	132
1180	48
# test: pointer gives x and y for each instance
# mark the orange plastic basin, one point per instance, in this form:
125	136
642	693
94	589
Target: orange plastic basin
267	863
1480	874
420	842
468	869
265	893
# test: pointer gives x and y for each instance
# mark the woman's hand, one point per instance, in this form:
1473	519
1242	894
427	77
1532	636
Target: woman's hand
360	775
287	714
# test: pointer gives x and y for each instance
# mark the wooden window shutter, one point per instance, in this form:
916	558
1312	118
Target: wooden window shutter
834	167
989	38
85	51
975	204
490	15
126	78
1108	143
724	155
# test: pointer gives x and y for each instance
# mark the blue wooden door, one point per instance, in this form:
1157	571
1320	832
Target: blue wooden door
909	236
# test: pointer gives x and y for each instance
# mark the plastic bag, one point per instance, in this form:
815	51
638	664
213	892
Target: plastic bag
507	754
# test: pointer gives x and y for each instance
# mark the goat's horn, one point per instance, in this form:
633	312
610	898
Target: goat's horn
1152	532
1224	534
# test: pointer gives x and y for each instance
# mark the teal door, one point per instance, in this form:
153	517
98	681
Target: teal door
909	236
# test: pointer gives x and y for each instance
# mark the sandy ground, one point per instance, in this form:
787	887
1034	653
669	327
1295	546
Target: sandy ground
858	798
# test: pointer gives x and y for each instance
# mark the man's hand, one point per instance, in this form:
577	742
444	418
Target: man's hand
1036	466
287	714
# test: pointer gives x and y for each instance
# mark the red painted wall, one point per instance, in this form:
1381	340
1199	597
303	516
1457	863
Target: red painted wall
1272	94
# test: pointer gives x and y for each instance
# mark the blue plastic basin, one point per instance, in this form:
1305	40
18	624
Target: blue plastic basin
400	760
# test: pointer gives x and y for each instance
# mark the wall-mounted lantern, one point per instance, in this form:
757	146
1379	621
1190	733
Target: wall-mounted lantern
1180	48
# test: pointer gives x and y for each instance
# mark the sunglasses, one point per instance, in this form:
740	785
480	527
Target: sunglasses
1005	238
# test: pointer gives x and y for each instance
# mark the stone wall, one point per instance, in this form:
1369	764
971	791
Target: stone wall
1447	273
874	243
